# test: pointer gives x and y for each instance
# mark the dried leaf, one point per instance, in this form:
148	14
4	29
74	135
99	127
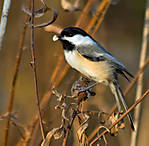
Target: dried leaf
104	138
83	127
56	133
114	117
65	111
59	133
59	95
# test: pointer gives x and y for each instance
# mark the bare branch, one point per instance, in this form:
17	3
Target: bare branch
35	72
3	24
139	89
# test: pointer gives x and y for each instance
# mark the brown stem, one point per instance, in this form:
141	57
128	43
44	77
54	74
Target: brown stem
101	18
85	12
69	128
96	15
35	72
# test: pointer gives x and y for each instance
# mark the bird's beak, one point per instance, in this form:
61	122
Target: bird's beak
55	37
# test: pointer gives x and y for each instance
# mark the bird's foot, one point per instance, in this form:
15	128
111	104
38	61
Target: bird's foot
87	88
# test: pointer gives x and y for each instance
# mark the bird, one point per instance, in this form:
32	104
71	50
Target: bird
87	56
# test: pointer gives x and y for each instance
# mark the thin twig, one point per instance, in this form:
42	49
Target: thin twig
35	72
14	79
3	24
139	89
117	121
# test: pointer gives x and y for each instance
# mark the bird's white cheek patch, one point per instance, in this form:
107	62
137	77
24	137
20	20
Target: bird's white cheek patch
55	38
79	40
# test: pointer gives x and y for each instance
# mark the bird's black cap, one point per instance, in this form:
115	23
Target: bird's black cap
71	31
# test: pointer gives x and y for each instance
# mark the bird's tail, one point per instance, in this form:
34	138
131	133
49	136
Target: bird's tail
121	96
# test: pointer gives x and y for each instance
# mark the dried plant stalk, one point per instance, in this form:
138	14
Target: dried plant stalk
35	72
139	89
85	12
101	18
3	24
96	15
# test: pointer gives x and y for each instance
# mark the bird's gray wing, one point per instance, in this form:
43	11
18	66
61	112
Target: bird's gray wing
92	52
97	53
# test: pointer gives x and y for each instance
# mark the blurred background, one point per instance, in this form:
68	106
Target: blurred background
120	33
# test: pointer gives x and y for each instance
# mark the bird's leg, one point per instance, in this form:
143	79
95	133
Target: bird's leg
114	91
87	88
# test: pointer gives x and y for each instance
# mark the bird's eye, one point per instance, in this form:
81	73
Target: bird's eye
70	34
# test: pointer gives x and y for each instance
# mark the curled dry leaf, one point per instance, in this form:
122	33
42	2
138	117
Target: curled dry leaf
83	127
56	133
67	6
114	117
59	133
54	17
104	138
39	13
58	94
65	111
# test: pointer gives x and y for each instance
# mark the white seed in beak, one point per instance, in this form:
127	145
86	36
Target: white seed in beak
55	38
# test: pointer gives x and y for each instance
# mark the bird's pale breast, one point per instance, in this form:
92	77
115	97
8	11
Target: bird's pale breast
98	71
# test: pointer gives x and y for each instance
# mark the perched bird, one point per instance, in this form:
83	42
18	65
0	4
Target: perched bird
87	56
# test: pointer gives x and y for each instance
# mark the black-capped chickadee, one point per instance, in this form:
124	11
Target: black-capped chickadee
87	56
